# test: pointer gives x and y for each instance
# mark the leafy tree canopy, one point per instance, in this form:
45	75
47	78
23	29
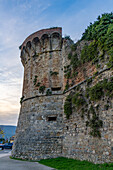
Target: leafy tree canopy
101	33
1	132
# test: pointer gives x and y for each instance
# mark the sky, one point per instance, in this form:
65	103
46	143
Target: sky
19	19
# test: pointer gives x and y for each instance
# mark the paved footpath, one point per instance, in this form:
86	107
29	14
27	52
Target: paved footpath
10	164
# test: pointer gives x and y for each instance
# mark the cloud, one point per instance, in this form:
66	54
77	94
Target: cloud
18	19
13	30
8	119
10	73
9	100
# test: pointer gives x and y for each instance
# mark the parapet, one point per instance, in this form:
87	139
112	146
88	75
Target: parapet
41	33
43	41
41	56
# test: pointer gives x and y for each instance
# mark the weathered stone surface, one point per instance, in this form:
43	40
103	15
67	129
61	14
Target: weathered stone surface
40	124
43	130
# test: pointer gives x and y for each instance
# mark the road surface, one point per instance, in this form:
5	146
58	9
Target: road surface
9	164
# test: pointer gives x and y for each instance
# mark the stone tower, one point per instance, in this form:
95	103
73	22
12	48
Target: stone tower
39	130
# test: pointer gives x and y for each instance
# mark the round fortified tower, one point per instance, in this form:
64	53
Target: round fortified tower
39	130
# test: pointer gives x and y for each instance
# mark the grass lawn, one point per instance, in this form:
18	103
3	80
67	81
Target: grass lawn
71	164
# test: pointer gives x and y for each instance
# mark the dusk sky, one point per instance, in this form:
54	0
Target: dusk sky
20	18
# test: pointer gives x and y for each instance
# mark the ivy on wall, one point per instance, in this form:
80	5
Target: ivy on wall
42	89
99	43
102	88
21	99
81	100
78	100
35	80
53	73
68	106
48	92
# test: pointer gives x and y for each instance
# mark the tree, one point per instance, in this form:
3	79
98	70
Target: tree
2	140
1	132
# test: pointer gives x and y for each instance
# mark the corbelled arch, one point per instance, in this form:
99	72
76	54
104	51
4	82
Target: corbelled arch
45	42
30	49
56	41
23	56
36	45
28	45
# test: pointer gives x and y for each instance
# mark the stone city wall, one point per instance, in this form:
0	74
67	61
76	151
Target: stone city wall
43	130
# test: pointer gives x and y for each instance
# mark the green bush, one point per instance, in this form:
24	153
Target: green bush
38	84
75	73
75	62
67	37
74	47
100	35
48	92
35	80
106	107
102	32
95	92
89	52
21	99
68	106
102	88
68	74
99	28
69	55
78	100
53	73
41	89
94	123
66	86
89	81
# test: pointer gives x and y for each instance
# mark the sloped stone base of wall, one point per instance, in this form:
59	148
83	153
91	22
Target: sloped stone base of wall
40	127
